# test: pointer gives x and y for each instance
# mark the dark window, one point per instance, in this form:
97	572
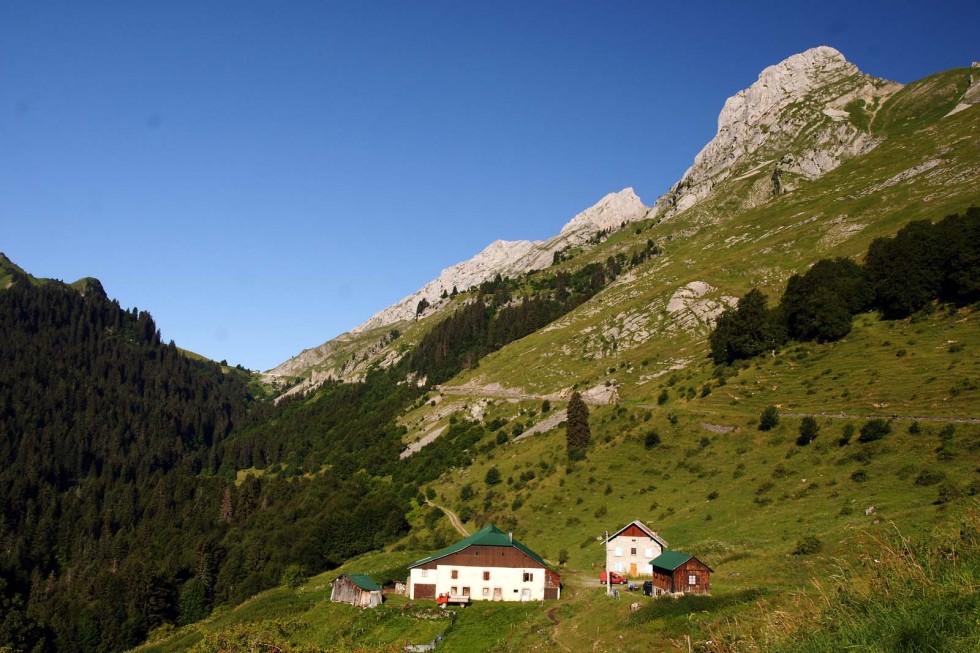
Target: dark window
486	575
455	574
633	551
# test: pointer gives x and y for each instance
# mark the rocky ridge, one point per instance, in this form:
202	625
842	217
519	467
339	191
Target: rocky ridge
795	119
514	258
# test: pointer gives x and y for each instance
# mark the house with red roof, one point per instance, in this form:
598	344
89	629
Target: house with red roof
630	549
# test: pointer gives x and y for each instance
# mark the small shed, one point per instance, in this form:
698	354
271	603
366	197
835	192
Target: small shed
678	572
356	589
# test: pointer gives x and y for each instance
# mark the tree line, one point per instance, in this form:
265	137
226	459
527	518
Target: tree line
903	274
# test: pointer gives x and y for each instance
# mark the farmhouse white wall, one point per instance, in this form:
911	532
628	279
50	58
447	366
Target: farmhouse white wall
509	580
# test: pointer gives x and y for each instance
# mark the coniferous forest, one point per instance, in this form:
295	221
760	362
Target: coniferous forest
119	508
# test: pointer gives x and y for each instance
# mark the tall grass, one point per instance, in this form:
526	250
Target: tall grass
902	597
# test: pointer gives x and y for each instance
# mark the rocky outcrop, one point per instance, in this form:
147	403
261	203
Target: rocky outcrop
514	258
794	119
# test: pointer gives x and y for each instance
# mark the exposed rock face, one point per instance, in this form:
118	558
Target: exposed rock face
793	119
513	258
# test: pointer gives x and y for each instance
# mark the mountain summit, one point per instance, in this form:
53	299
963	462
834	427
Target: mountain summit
803	117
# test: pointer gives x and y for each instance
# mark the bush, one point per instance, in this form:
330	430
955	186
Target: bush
808	545
293	576
492	477
769	418
948	492
875	429
929	477
808	431
466	492
652	439
663	397
846	435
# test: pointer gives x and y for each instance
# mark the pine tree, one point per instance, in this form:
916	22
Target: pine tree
577	431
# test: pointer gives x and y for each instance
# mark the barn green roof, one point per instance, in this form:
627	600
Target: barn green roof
670	560
487	536
364	582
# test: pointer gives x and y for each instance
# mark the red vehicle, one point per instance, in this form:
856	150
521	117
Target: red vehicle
614	578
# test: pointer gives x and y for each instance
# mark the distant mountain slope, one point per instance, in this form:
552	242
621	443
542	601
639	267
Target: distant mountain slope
803	118
507	258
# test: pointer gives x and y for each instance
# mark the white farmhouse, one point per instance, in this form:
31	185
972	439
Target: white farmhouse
630	550
489	565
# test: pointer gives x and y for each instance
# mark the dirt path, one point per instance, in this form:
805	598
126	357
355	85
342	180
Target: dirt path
453	518
900	418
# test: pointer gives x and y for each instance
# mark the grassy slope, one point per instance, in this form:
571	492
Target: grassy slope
766	492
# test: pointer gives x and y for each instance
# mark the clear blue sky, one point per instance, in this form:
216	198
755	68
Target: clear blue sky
262	176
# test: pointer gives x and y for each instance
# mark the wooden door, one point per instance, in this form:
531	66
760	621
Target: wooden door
632	569
498	594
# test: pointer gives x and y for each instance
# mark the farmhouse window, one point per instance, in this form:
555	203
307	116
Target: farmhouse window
486	575
692	579
466	591
633	551
486	591
619	550
455	573
454	591
528	577
425	573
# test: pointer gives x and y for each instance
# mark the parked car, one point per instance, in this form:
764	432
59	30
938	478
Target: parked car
614	578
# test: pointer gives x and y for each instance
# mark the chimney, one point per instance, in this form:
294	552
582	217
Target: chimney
511	536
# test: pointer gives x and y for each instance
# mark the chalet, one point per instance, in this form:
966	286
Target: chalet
489	565
677	572
630	549
356	589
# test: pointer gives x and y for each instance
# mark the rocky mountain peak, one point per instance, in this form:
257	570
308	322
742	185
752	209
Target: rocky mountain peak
764	125
608	213
515	257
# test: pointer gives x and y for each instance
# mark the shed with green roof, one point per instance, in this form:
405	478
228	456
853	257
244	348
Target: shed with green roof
357	589
677	572
488	565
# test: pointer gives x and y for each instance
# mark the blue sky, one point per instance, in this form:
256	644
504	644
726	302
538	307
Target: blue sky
262	176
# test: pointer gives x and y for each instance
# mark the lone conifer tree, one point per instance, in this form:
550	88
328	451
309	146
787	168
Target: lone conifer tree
577	429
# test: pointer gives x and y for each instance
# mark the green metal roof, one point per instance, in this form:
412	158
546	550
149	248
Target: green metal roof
487	536
364	582
670	560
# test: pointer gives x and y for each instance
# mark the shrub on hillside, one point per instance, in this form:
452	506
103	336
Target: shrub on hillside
808	545
492	477
808	431
652	439
769	419
875	429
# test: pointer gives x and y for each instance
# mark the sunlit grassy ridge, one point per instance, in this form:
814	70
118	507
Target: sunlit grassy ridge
768	515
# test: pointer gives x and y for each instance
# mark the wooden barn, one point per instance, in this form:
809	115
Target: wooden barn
489	565
677	572
356	589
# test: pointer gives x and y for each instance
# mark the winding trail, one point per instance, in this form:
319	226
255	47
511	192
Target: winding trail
900	418
453	518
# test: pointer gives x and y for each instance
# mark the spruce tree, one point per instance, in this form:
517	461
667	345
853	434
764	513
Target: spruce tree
577	431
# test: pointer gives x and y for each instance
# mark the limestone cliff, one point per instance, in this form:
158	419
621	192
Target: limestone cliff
798	119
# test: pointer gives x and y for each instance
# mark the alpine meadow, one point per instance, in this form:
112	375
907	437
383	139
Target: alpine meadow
775	367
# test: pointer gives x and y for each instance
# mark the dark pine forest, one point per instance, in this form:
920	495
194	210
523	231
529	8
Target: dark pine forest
119	506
